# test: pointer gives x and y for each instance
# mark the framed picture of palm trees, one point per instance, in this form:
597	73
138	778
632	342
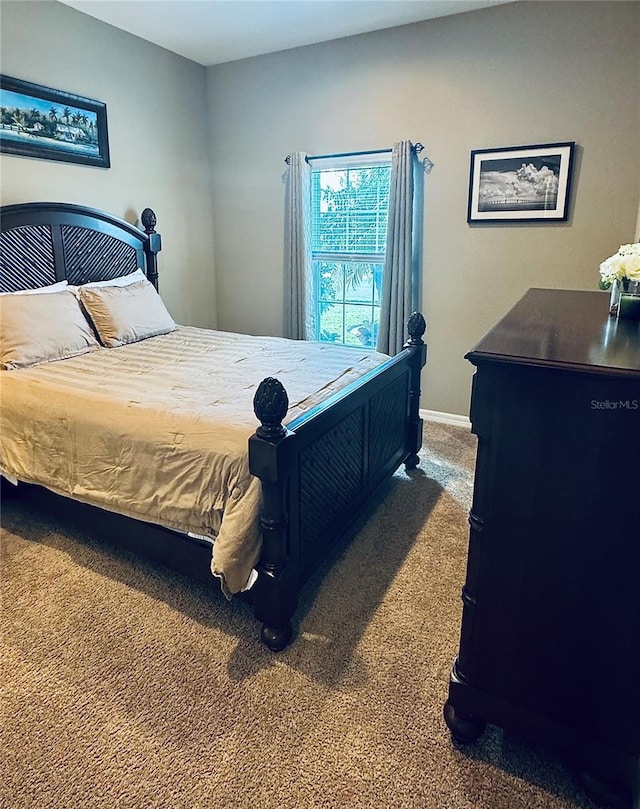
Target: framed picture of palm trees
49	124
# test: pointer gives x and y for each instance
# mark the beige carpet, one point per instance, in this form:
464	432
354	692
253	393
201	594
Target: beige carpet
128	685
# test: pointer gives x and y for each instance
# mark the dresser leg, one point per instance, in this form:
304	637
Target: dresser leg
464	729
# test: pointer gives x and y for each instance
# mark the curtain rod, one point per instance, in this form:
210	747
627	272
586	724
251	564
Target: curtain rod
417	148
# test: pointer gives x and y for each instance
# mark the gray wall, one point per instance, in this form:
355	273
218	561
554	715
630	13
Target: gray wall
510	75
158	137
506	76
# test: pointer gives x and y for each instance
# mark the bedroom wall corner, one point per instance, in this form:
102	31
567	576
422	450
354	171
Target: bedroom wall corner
158	138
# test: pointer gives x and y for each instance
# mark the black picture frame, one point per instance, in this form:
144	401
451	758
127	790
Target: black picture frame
521	183
48	124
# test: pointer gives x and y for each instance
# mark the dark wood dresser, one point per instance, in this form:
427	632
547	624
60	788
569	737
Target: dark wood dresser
550	638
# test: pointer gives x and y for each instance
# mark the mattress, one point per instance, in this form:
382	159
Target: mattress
158	430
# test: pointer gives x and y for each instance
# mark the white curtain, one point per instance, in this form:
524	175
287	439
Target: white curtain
299	318
399	282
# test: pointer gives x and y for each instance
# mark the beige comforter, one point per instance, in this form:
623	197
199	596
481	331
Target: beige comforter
158	430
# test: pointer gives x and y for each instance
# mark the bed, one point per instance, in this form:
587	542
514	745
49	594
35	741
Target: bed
279	469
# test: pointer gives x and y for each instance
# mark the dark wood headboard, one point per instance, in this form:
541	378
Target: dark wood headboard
45	242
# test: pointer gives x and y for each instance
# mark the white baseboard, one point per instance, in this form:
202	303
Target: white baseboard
446	418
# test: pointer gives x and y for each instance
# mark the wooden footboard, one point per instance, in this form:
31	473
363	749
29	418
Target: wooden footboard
318	471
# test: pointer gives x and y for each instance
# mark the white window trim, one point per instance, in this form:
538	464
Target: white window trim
350	161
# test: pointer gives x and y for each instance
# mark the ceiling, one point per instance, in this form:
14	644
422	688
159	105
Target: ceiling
214	31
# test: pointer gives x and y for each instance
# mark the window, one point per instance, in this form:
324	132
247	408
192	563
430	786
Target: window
349	208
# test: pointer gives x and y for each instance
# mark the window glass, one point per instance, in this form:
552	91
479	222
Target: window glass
350	205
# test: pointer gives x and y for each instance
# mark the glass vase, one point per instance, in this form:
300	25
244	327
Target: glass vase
615	298
625	299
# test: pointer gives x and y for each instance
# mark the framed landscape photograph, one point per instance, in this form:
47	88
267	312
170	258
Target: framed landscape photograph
520	183
40	122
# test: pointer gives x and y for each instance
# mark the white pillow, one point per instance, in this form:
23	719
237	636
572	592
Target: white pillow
39	290
40	328
126	314
120	281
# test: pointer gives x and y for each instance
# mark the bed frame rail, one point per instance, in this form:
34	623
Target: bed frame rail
318	471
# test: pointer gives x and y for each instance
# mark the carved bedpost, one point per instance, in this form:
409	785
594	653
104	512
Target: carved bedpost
154	246
275	591
416	327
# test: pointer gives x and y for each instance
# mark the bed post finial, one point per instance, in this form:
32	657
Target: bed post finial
416	327
270	404
154	244
149	220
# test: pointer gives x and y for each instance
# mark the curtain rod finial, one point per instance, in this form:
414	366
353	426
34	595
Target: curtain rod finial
427	163
287	159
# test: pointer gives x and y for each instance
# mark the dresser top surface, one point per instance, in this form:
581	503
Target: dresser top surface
563	328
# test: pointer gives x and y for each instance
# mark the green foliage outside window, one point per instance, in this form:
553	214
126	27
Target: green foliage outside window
349	224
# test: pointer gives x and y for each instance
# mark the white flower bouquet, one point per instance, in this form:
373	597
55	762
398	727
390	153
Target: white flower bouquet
623	266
